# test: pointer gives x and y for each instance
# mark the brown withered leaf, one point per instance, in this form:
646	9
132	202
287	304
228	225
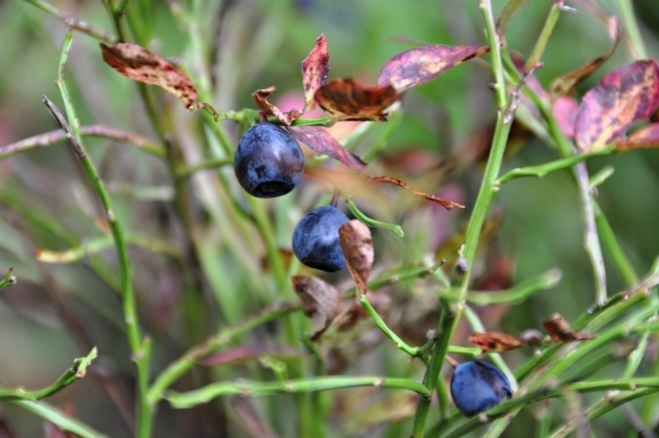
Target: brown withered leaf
242	354
420	65
565	111
322	142
624	96
647	137
564	85
261	99
320	301
357	247
495	342
389	180
138	64
315	69
560	331
345	99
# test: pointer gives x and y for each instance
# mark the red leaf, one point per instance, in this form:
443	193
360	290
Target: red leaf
261	99
495	342
315	68
624	96
565	111
243	354
647	137
322	142
560	331
357	247
420	65
564	85
389	180
345	99
138	64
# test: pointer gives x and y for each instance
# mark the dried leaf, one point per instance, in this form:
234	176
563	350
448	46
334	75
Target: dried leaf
565	111
564	85
320	301
250	353
138	64
261	99
560	331
345	99
322	142
495	342
624	96
444	203
420	65
315	68
357	246
647	137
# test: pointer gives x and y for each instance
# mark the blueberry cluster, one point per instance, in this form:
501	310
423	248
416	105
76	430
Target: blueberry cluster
269	163
477	387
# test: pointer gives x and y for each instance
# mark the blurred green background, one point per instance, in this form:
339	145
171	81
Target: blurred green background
46	202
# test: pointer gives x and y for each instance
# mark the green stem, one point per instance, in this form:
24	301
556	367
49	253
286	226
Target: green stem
59	418
630	24
543	39
140	354
517	293
396	229
74	23
213	163
9	279
295	386
453	309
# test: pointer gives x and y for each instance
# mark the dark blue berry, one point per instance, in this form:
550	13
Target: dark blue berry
477	387
316	239
268	162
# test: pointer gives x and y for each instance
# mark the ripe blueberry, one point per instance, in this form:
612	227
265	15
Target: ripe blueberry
477	387
316	239
268	162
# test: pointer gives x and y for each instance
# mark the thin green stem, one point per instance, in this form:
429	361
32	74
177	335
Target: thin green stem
214	163
543	39
453	308
140	354
396	229
517	293
74	23
60	419
296	386
631	26
9	280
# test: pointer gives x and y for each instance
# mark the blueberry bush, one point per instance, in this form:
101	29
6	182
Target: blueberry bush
211	227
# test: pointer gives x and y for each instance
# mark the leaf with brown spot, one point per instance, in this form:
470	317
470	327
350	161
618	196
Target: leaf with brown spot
444	203
560	331
495	342
624	96
647	137
345	99
564	85
138	64
242	354
261	99
315	68
357	247
421	65
322	142
320	301
565	111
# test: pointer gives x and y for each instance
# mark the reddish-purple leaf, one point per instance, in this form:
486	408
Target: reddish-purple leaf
564	85
315	68
138	64
565	112
647	137
420	65
357	247
624	96
345	99
322	142
261	99
250	353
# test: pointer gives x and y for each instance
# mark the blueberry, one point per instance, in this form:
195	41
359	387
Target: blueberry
268	162
316	239
477	387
